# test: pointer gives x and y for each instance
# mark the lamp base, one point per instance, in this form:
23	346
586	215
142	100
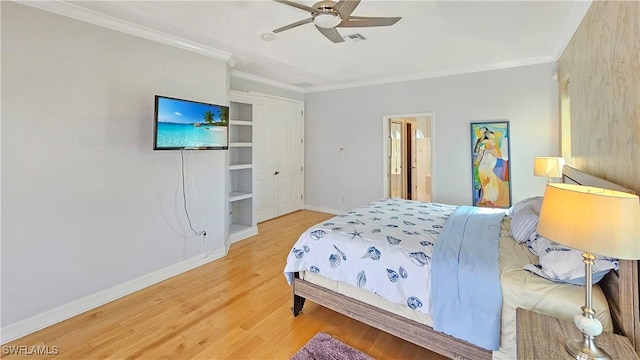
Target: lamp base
585	349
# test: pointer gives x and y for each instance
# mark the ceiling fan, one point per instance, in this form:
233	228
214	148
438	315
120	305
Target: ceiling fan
328	15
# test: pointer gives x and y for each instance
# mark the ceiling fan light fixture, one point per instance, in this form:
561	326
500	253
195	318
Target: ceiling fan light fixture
327	20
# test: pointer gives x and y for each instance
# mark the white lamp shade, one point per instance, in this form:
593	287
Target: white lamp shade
600	221
548	166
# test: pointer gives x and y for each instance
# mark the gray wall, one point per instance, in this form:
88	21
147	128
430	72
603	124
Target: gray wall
87	205
353	119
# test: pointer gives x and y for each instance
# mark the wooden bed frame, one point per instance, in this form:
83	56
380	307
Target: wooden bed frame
620	288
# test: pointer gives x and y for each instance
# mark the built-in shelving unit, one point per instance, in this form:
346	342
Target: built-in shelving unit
242	222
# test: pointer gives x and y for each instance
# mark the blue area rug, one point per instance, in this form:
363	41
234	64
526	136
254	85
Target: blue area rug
324	347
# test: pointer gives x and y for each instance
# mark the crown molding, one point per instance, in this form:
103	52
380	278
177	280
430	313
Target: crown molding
578	12
434	74
79	13
394	79
262	80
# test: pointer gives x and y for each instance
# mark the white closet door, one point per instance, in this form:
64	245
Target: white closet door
290	158
279	153
266	145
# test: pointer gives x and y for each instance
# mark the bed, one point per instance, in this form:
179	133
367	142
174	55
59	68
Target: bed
615	297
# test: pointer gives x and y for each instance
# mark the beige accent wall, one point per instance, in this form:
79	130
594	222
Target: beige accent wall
602	64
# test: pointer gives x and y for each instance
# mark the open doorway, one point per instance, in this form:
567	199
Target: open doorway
408	156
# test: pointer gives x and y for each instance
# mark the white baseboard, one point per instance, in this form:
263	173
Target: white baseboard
241	235
77	307
322	209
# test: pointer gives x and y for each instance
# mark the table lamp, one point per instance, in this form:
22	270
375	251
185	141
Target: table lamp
548	166
596	221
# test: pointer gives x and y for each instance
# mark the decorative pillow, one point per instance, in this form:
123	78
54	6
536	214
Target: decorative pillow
524	223
535	202
561	263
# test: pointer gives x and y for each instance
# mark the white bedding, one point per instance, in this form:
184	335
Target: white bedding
520	288
384	247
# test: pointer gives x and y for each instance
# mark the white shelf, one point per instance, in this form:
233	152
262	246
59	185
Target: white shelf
238	195
240	166
240	155
241	174
241	122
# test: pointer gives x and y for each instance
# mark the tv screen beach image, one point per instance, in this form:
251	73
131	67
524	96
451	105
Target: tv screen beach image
188	124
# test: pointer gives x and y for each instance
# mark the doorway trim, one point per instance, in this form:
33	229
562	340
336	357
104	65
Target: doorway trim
386	144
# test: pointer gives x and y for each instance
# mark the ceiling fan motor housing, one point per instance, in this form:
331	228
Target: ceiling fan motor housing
325	6
327	17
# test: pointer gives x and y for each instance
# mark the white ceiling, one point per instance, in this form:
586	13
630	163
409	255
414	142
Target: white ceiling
433	38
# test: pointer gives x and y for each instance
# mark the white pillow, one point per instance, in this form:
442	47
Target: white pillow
535	201
524	223
561	263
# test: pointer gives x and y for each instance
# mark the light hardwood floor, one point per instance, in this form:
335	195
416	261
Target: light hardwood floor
233	308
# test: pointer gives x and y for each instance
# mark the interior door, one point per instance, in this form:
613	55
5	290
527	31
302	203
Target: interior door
412	168
408	158
280	156
265	145
290	157
396	167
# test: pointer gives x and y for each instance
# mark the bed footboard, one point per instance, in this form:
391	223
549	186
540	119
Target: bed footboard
298	301
409	330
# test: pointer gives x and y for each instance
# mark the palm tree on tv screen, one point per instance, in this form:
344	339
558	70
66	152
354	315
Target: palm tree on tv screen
224	115
208	117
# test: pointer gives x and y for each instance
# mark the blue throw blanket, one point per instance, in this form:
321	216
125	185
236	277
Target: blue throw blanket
466	293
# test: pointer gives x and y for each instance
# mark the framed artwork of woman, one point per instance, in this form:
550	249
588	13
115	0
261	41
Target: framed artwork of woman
490	166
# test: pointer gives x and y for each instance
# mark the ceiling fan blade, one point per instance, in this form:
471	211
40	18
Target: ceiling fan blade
299	6
346	7
331	34
297	23
365	21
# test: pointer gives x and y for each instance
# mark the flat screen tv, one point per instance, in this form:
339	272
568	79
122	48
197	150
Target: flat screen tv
190	125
